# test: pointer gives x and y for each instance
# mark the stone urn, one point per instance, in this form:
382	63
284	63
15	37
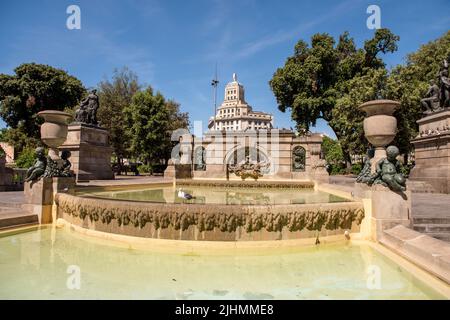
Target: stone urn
380	126
54	130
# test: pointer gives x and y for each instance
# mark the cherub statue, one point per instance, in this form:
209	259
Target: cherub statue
388	171
66	165
38	168
365	175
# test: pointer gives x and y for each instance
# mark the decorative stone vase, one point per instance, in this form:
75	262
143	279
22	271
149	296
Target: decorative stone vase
54	130
380	126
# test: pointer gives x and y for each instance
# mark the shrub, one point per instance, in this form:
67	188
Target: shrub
145	168
356	168
334	169
26	158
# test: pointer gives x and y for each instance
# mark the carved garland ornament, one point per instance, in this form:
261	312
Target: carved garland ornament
206	219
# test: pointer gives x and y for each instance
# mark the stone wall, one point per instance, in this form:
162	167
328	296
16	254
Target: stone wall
210	222
91	152
432	152
275	146
9	150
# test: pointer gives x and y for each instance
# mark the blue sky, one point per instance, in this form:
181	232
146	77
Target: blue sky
174	45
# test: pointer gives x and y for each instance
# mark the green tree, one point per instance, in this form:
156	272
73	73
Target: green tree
313	80
115	96
151	120
26	158
19	138
33	88
332	150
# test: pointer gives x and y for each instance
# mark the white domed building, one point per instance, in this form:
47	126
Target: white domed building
235	114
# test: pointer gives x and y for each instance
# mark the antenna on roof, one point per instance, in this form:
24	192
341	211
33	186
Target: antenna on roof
214	83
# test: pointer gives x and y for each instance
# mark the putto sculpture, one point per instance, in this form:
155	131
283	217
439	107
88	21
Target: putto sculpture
438	95
365	174
87	111
66	165
388	171
37	171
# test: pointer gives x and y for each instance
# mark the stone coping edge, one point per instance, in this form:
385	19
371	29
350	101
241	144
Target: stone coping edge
429	253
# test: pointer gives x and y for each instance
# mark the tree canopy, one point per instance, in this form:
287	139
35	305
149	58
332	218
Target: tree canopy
33	88
150	120
115	95
321	76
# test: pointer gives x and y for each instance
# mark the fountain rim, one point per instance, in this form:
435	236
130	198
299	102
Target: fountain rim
379	107
57	113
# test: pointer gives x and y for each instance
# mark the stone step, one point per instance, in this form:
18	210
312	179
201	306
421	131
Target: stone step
439	235
431	220
10	219
419	187
4	204
432	228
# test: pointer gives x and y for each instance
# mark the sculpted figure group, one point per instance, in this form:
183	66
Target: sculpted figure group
87	112
438	95
248	169
388	171
45	167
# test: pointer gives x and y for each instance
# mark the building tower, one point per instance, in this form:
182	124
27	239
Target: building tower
235	114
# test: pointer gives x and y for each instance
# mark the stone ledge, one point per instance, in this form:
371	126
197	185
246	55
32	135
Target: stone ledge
431	254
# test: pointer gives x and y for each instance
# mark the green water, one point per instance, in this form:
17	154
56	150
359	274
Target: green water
34	265
220	195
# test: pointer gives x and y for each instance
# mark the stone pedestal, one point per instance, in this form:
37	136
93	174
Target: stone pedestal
39	196
178	171
432	152
384	208
91	152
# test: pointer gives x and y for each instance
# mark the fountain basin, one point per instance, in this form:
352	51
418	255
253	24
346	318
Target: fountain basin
234	214
165	269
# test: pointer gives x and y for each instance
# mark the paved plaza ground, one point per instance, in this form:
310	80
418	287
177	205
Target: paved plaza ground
430	212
